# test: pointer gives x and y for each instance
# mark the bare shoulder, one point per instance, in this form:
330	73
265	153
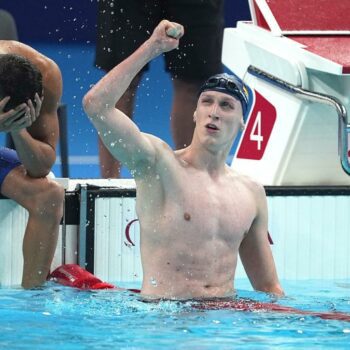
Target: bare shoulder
48	68
52	78
163	153
163	150
44	63
254	186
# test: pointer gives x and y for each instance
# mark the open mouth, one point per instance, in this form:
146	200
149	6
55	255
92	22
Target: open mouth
212	127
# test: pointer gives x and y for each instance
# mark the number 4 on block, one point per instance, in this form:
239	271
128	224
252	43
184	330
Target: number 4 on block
258	129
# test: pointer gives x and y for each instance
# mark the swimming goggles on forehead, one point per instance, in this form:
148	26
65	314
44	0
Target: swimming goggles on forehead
222	83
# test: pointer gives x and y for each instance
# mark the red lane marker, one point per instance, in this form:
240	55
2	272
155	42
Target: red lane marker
75	276
242	305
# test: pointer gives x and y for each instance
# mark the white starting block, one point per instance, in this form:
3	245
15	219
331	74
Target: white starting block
295	56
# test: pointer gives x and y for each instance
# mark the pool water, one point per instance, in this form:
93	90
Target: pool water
58	317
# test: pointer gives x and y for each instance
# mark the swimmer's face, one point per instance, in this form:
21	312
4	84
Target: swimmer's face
218	117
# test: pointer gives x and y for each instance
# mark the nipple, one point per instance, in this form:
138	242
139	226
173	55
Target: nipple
187	216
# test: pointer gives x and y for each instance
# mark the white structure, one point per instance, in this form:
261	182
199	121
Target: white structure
289	140
309	227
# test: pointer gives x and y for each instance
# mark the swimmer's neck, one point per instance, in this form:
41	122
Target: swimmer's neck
202	159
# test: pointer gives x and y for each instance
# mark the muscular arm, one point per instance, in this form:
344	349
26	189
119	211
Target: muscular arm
120	135
255	251
36	145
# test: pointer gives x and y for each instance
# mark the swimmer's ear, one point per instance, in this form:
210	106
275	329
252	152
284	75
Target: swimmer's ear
242	125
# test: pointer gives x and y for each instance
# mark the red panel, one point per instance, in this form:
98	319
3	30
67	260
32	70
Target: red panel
310	14
334	48
258	129
260	18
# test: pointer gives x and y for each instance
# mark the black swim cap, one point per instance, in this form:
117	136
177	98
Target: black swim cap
228	84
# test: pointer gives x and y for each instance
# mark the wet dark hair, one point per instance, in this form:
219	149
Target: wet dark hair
228	84
19	79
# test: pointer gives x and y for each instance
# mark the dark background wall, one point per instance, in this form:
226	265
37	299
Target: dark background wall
65	30
74	20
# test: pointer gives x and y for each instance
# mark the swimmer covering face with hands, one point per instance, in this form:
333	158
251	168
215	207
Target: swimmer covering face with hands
196	213
30	90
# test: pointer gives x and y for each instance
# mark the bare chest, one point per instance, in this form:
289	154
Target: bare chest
211	212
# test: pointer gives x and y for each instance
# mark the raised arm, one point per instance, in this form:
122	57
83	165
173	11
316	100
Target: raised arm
255	251
120	135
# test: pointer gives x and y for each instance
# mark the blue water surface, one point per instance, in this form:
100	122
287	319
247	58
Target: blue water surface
58	317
